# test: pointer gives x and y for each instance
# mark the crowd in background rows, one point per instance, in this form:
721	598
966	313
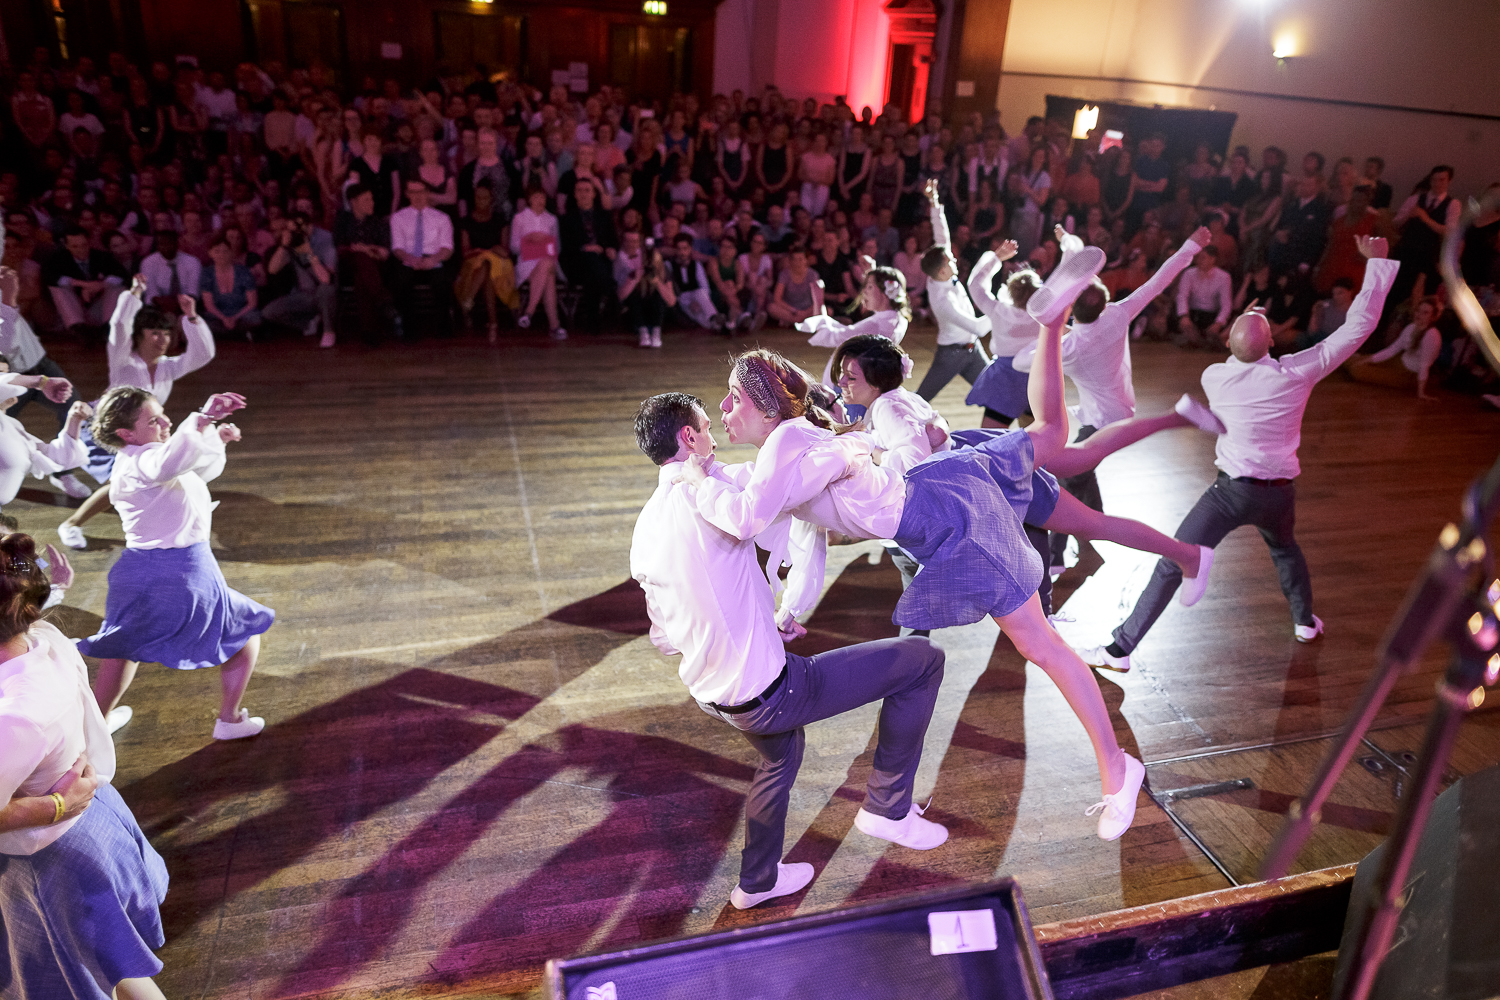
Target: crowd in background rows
280	199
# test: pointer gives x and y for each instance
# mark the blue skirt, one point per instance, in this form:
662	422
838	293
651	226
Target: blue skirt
101	463
172	606
1044	487
963	523
1000	388
81	914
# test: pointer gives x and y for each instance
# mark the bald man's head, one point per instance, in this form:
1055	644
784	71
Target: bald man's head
1250	336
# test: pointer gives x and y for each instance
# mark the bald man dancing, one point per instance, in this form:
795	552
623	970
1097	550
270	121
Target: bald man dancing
1260	399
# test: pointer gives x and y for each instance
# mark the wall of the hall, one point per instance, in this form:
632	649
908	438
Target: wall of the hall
1426	55
807	48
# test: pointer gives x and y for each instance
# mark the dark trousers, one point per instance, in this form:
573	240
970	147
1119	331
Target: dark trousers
1224	506
51	369
593	275
968	360
1084	486
644	311
373	309
438	282
903	674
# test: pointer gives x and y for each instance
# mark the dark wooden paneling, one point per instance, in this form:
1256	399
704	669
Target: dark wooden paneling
980	44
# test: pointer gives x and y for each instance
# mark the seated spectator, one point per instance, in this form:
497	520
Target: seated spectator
618	192
84	283
758	275
643	288
301	270
195	238
690	286
1341	257
588	248
379	171
122	249
1408	360
1204	297
726	279
534	242
229	294
486	265
1179	216
986	218
1226	245
778	233
169	273
682	189
799	292
908	261
1151	240
886	236
1081	187
582	173
487	167
1121	281
1327	315
362	240
1290	306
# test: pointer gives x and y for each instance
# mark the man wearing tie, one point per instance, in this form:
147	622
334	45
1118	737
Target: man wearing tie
422	242
1424	219
84	283
169	274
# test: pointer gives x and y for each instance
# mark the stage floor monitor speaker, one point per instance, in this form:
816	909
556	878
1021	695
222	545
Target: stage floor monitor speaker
1447	946
950	944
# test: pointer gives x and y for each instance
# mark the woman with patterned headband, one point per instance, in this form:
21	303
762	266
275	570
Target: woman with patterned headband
959	514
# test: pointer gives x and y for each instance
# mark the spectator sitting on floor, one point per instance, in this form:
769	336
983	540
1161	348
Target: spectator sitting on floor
1328	314
1408	360
229	293
84	283
169	273
690	286
799	293
589	246
1204	296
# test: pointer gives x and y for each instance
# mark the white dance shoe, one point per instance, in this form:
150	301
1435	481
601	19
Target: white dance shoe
246	726
1098	656
71	485
910	831
117	717
1199	415
1307	633
789	879
1117	811
1191	591
1063	285
72	536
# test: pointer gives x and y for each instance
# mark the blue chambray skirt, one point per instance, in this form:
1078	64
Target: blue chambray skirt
1044	487
1000	388
81	914
172	606
963	522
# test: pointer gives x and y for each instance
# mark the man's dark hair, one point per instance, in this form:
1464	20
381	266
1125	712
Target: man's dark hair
1378	161
659	420
355	190
1347	284
1319	157
1441	168
681	239
1091	302
72	231
148	318
1212	251
933	259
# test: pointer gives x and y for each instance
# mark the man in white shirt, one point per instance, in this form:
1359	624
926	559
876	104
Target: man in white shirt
959	351
1260	400
1204	296
422	243
1096	356
709	600
169	274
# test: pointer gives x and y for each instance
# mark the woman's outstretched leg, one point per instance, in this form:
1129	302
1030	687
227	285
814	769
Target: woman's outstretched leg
1039	642
1080	457
1072	517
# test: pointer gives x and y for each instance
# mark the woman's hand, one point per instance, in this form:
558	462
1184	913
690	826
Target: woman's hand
695	469
78	795
62	570
228	433
138	286
188	305
222	404
77	414
57	389
1007	250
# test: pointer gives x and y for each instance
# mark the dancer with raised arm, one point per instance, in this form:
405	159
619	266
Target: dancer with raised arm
1001	388
168	602
959	351
1261	400
959	514
20	451
139	338
1096	356
883	293
709	602
80	885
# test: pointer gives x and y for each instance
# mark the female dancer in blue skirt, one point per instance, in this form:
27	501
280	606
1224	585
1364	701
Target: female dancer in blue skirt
168	602
79	884
959	514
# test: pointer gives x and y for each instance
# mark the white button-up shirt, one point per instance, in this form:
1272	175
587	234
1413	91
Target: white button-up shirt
1012	328
437	231
1261	403
897	423
48	716
21	452
706	597
950	304
157	271
1209	292
1096	356
161	490
127	368
18	342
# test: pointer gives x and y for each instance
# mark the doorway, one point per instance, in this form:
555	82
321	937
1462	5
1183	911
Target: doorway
299	33
903	79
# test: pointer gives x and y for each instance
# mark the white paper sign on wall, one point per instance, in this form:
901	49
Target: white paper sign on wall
958	931
390	50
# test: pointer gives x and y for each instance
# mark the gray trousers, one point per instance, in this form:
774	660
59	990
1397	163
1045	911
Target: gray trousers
1224	506
905	673
296	307
1084	486
968	360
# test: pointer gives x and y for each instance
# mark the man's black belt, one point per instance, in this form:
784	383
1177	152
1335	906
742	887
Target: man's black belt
753	703
1262	482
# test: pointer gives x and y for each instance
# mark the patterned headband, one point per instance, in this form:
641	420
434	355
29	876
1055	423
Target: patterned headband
753	378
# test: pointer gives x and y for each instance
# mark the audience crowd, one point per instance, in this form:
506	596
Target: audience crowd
279	201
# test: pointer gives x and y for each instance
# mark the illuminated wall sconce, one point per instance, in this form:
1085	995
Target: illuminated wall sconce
1084	120
1284	45
657	8
483	1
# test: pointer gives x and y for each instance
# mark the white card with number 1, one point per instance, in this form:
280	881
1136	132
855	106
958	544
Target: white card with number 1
958	931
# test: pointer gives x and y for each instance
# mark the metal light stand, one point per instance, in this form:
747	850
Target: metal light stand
1457	599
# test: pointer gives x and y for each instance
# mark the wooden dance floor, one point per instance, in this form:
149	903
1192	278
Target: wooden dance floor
475	760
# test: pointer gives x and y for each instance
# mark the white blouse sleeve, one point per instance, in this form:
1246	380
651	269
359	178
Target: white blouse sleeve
900	431
58	455
188	449
199	351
